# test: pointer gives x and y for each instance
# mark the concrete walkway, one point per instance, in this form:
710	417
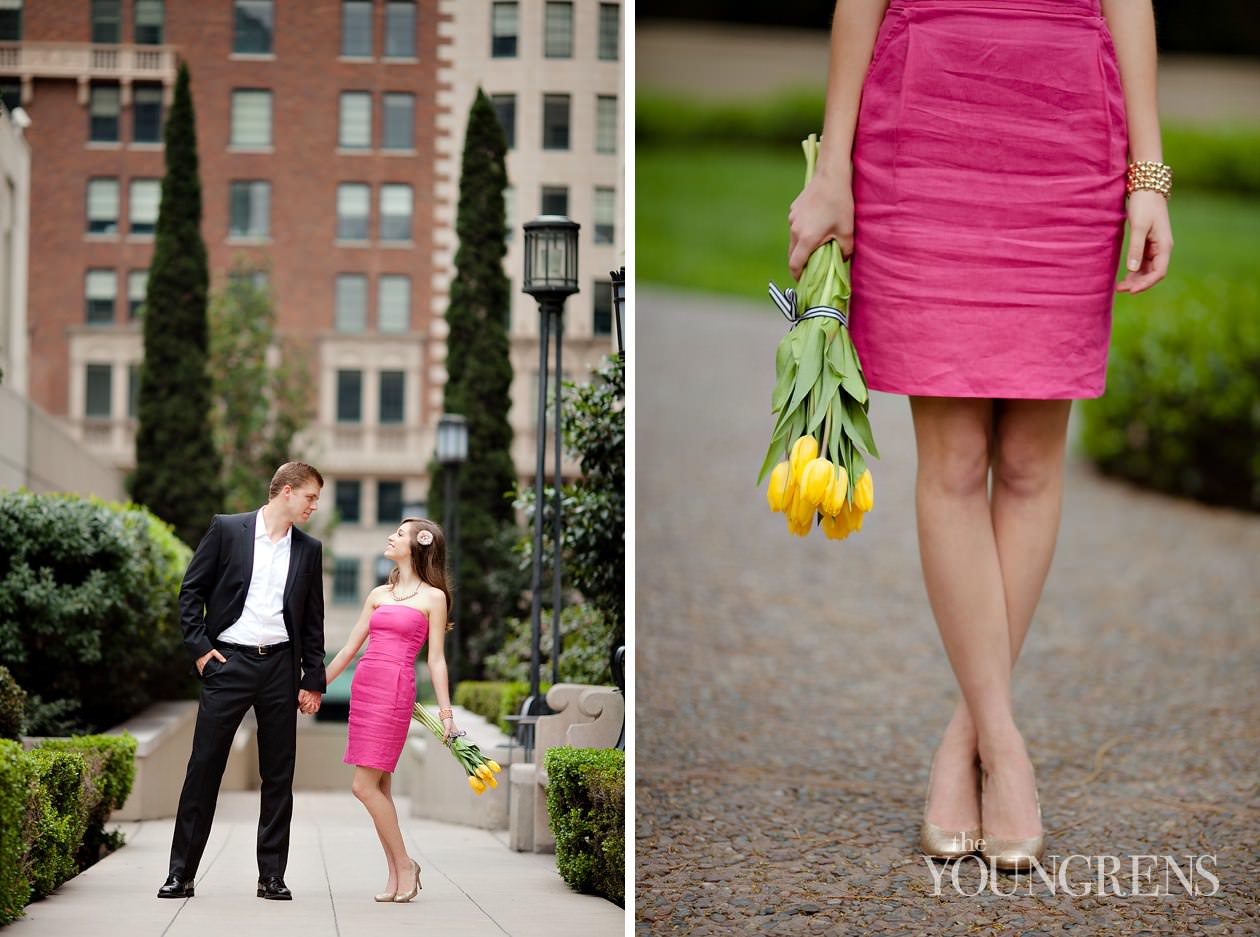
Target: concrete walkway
790	692
473	884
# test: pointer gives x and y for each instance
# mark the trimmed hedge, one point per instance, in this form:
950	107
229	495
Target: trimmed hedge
12	706
586	804
89	607
495	700
1182	409
54	803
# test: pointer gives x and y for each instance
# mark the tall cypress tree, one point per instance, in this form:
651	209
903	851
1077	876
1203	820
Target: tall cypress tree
177	464
479	383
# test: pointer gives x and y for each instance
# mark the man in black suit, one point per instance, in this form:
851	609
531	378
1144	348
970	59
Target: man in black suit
252	610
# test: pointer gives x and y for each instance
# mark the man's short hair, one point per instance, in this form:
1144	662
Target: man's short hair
295	474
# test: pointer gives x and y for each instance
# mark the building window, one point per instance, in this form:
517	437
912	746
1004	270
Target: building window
356	28
389	503
249	209
137	287
392	387
345	581
100	289
558	31
399	119
133	391
395	213
504	25
146	197
149	17
106	21
601	321
351	311
252	27
10	93
555	132
10	20
394	305
356	121
505	109
347	492
103	111
605	123
400	29
353	199
102	206
609	31
251	118
605	215
146	114
98	401
349	396
555	200
249	280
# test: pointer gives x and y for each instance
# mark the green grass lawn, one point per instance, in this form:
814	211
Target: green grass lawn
714	218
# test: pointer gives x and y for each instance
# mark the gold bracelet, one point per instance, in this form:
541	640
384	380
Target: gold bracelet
1157	177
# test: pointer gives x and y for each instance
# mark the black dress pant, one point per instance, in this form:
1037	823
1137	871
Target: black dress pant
228	690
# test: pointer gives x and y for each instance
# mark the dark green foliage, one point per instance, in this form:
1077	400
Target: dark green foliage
1182	409
111	772
56	717
89	605
478	384
16	774
586	804
12	706
585	635
495	700
177	464
258	408
55	820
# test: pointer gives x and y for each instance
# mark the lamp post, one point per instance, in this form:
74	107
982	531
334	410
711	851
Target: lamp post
619	305
551	277
451	453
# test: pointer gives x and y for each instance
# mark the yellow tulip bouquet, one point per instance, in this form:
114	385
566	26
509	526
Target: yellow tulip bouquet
480	769
820	399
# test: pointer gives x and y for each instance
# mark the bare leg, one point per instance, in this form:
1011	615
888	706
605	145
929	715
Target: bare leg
963	576
372	787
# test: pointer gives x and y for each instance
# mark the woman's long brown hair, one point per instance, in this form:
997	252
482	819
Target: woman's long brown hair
429	563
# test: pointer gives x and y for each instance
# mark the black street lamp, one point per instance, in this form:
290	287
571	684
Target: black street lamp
619	305
452	452
551	277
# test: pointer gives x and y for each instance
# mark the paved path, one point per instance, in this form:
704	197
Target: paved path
718	61
790	692
474	886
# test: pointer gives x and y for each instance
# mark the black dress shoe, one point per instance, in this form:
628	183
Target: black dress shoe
176	887
274	889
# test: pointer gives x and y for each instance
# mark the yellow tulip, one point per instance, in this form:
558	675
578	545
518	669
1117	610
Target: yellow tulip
834	528
804	451
837	493
483	772
802	512
816	479
490	779
780	486
864	492
800	530
478	785
494	765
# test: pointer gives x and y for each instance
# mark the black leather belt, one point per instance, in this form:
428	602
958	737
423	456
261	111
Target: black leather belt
253	650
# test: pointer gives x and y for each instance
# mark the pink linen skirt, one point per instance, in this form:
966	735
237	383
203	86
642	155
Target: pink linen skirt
989	163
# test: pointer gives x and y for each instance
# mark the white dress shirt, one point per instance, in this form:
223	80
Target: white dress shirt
262	621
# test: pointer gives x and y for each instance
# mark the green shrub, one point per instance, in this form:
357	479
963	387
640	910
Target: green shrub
16	777
586	803
56	819
89	604
585	637
1182	409
12	706
111	772
495	700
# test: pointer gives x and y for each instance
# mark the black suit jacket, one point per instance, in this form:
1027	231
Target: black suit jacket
212	596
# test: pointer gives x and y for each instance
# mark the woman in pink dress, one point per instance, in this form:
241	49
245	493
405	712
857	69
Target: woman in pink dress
397	617
975	163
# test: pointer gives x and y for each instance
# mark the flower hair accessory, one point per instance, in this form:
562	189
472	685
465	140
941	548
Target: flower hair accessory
424	538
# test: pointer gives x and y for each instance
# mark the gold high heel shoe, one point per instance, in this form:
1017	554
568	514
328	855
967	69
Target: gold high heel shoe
939	843
401	898
1013	855
385	896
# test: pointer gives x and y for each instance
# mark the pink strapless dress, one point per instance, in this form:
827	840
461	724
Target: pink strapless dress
988	184
384	688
